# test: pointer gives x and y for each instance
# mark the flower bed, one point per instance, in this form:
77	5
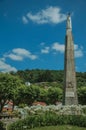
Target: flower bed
38	116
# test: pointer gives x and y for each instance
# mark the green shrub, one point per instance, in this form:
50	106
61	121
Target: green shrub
84	110
48	119
2	126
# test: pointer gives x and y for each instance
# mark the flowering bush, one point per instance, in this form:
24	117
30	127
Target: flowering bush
58	109
51	115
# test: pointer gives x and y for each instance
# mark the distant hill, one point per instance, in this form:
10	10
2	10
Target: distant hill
48	76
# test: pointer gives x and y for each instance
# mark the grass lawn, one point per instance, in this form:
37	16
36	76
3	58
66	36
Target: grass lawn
63	127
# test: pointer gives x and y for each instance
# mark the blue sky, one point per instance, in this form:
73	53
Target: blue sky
32	34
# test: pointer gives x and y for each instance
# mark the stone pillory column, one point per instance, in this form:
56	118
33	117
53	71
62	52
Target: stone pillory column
69	94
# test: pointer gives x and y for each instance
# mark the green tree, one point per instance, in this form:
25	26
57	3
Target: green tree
43	95
31	94
54	94
82	95
9	86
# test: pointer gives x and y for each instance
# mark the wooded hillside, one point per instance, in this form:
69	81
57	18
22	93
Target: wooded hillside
36	76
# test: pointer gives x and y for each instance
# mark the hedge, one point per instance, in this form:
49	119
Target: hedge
2	126
48	119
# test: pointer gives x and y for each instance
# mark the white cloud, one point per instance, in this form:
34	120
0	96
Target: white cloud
78	53
19	54
15	57
21	51
6	67
24	19
32	57
51	15
58	47
45	50
75	47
